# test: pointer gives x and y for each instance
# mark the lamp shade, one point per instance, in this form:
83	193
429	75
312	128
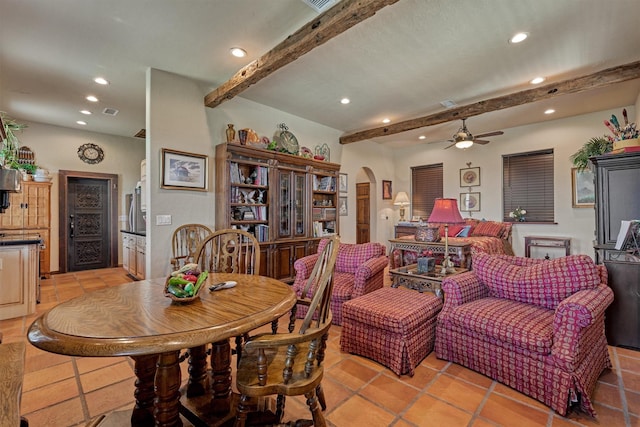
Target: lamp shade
445	211
402	199
464	143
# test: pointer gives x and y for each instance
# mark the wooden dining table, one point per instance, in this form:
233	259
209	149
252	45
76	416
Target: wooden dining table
137	320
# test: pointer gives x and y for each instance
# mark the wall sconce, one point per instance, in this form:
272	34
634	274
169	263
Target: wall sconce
402	200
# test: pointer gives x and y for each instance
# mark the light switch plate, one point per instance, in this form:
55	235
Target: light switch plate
163	219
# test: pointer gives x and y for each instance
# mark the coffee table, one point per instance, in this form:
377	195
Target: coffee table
461	250
409	277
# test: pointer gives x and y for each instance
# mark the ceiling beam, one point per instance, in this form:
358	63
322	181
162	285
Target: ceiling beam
318	31
596	80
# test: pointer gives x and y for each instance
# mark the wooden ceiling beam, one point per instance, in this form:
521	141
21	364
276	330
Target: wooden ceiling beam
596	80
326	26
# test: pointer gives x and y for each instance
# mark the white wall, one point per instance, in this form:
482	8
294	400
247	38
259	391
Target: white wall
56	148
565	136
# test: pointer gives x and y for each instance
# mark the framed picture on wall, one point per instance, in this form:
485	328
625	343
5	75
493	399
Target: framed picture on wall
583	192
469	177
183	171
343	209
343	182
386	190
469	202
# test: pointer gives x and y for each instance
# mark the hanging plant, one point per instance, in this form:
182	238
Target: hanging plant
594	147
10	142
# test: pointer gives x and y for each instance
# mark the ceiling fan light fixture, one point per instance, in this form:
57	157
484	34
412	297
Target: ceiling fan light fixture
466	143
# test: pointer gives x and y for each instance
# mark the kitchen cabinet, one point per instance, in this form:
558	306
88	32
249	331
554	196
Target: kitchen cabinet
18	279
134	254
30	211
288	202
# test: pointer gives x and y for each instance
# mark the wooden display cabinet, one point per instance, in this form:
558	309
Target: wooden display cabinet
273	195
30	212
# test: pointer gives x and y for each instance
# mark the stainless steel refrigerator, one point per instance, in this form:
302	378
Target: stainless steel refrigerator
137	218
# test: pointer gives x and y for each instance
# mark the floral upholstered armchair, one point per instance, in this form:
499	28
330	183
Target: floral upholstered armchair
535	325
359	270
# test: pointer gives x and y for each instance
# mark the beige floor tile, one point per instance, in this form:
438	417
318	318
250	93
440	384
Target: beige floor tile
351	374
504	411
105	376
68	413
109	398
463	395
433	362
48	395
607	395
360	412
421	378
390	393
516	395
460	372
44	377
431	412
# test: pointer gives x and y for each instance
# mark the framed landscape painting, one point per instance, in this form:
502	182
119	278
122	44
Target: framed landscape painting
183	171
583	193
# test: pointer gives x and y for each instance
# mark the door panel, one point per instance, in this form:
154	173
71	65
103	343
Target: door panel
88	224
363	216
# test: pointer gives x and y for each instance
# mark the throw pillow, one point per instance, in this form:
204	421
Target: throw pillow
455	229
488	228
544	284
464	232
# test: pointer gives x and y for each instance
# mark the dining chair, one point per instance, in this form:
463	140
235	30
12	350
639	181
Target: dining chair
222	251
290	364
185	241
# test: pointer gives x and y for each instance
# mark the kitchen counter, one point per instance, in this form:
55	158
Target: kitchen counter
19	239
137	233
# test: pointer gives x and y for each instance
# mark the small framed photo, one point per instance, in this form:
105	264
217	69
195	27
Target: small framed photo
183	171
343	183
386	190
470	177
343	209
583	193
469	202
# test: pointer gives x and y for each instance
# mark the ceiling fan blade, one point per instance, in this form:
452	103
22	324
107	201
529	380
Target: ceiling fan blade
438	141
481	141
498	132
449	146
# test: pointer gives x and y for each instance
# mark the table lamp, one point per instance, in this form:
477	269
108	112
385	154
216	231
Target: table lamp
445	211
402	200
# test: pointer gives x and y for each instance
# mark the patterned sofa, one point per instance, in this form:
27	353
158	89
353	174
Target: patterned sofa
535	325
359	270
492	237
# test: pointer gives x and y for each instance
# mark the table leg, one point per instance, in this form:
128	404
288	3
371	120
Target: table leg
145	370
221	372
198	378
167	387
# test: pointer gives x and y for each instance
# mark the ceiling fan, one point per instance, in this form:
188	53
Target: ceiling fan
464	139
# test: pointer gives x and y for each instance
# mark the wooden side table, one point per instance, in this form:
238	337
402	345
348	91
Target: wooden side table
461	250
409	277
546	242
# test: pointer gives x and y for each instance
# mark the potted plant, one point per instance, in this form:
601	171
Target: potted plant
10	145
594	147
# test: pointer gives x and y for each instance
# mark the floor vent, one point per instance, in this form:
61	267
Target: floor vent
320	5
110	111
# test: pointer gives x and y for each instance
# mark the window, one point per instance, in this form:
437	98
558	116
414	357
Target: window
426	186
527	182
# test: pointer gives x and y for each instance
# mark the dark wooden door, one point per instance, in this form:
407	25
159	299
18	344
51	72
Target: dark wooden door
363	216
88	224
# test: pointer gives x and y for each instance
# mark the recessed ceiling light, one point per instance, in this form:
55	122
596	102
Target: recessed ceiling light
537	80
101	81
86	112
81	122
92	98
345	101
238	52
549	111
519	37
386	120
422	137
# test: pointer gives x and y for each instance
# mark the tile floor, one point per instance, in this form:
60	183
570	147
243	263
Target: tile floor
69	391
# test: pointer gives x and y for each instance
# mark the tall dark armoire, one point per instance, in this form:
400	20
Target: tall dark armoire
617	186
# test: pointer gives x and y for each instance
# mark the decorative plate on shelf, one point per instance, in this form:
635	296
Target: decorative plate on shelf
286	141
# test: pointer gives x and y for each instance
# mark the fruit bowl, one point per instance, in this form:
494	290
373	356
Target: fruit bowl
184	299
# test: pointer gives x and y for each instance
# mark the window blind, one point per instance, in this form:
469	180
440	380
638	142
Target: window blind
528	183
426	186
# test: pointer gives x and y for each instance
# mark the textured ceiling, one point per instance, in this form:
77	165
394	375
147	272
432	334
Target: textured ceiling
400	64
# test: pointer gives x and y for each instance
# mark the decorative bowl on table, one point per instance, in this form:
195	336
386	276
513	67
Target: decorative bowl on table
180	292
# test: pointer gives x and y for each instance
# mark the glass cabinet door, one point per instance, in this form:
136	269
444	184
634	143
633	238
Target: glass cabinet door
284	217
299	204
